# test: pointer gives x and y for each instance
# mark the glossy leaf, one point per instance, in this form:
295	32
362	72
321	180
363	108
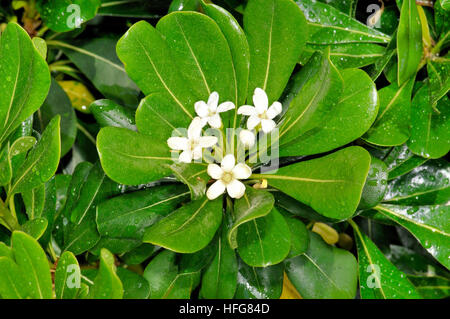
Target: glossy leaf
13	284
331	185
67	277
254	204
429	224
127	216
264	241
132	158
42	161
299	235
409	41
25	79
238	45
379	279
427	184
109	113
431	287
400	160
345	121
219	280
79	95
194	175
66	15
134	285
35	227
430	130
276	35
166	282
197	220
33	265
391	126
319	85
439	79
259	282
375	186
323	271
107	284
327	25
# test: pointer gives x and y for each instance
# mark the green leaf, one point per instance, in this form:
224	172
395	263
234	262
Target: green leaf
375	186
132	158
347	6
219	280
238	45
276	32
33	265
264	241
197	220
26	79
346	55
66	15
391	126
165	280
133	8
400	160
134	285
327	25
5	166
425	185
201	53
184	5
319	85
149	62
429	224
67	277
42	161
299	234
82	237
107	284
323	271
194	175
345	122
439	79
259	282
430	131
379	279
13	284
431	287
139	254
409	41
127	216
57	102
35	227
34	201
41	46
254	204
109	113
98	61
331	185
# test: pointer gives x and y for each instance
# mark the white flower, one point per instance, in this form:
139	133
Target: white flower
227	177
192	146
247	138
261	112
209	112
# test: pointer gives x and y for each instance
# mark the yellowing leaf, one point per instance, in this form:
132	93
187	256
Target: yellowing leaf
289	291
79	95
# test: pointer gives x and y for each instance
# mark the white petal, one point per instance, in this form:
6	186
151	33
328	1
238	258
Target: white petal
274	110
225	106
228	162
242	171
213	100
247	138
253	121
185	157
236	189
207	141
215	171
215	190
201	108
178	143
247	110
195	128
260	100
197	152
215	121
267	125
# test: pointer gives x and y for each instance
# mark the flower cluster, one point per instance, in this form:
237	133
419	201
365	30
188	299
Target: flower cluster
228	174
